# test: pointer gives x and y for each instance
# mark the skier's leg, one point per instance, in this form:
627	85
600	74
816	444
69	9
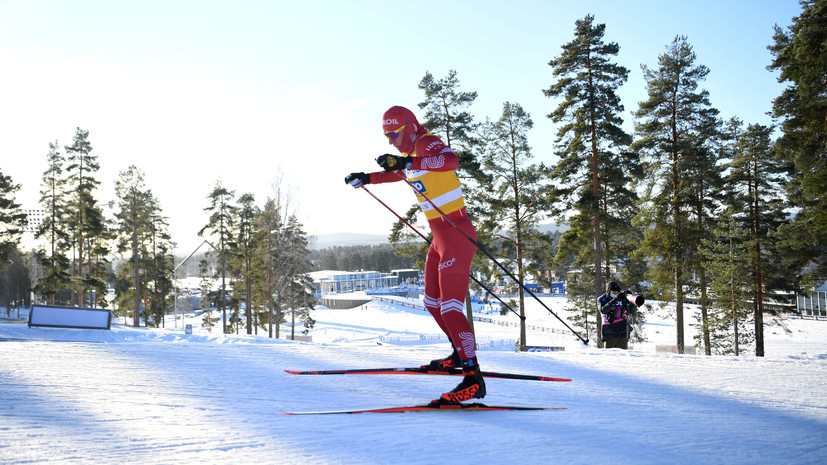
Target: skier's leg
456	253
433	303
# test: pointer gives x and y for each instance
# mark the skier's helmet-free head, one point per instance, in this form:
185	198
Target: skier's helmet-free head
399	122
612	287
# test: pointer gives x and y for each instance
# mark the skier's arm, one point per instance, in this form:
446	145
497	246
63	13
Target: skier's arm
390	176
358	179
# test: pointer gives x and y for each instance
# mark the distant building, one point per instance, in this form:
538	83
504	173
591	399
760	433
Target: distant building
337	282
813	304
408	276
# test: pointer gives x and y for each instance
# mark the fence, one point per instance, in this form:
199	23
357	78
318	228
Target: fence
481	319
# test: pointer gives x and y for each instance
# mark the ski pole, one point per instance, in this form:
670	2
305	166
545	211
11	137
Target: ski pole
482	249
428	241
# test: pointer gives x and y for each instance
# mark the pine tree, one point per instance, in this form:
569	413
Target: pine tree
799	53
135	224
159	267
705	182
725	254
596	167
14	274
758	179
272	262
87	223
244	247
12	220
298	293
55	202
221	223
519	192
672	125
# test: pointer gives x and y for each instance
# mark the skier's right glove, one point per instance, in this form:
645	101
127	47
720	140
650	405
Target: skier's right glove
390	162
357	179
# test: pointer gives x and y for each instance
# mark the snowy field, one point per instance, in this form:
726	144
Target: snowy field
138	395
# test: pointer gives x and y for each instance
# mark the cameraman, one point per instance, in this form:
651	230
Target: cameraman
615	308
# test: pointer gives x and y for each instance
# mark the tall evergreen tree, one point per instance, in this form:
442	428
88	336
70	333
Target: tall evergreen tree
298	292
704	181
519	193
725	253
243	252
801	56
87	223
758	180
135	224
12	220
595	167
672	124
160	267
14	274
220	227
272	260
53	229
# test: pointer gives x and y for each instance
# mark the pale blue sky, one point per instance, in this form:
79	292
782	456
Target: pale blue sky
190	91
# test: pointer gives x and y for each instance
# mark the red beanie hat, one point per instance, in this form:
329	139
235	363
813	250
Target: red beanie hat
396	117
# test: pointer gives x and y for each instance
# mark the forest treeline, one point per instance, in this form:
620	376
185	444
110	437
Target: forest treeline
726	212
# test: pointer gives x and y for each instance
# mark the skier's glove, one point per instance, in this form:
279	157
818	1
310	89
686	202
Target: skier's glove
357	179
392	162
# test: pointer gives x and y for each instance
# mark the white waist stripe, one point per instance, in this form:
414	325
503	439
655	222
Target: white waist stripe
442	200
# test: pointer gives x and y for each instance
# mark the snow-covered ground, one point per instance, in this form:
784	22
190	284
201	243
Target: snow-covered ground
138	395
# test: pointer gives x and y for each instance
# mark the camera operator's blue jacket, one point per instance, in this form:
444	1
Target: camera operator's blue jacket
615	315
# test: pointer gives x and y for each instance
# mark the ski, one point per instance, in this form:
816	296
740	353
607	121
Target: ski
422	371
428	408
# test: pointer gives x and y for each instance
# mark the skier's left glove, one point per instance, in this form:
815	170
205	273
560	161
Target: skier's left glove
393	163
357	179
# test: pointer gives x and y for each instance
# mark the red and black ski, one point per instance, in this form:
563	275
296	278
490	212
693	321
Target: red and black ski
422	371
428	408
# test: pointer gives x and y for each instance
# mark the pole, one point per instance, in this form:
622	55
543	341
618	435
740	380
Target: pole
428	241
482	249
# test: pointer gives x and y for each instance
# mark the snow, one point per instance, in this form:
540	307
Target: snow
138	395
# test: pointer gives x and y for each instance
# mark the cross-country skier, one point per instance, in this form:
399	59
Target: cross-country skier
430	165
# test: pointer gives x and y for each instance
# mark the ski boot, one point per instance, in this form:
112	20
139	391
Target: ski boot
444	364
471	387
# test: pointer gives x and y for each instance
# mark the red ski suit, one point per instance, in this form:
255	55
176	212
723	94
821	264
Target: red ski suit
448	264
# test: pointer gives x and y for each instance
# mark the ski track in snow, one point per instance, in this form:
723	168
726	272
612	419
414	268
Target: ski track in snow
158	396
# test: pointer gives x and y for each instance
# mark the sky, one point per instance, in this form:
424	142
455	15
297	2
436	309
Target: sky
267	96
